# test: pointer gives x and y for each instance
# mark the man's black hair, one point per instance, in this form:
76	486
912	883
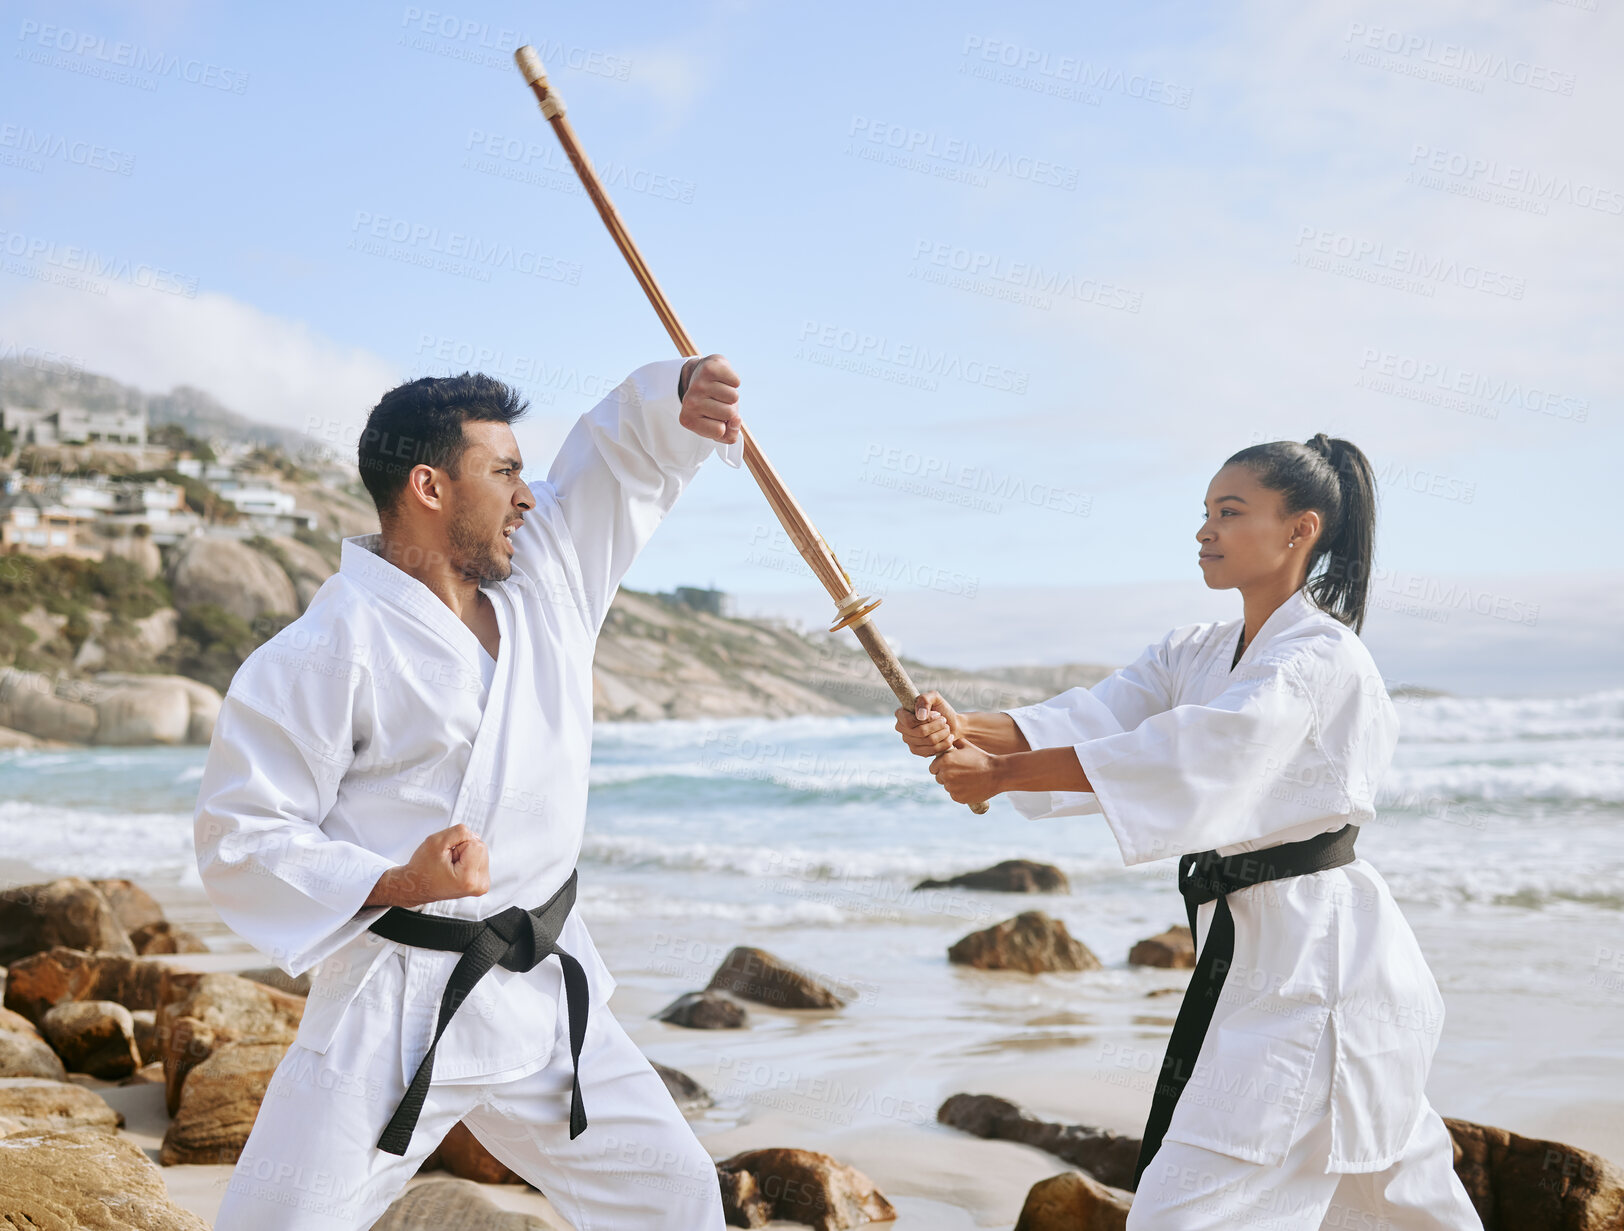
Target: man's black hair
420	423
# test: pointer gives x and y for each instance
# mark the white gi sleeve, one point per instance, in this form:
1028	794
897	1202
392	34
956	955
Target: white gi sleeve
1119	702
620	470
276	878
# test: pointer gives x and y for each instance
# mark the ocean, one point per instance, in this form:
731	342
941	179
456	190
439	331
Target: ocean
1500	831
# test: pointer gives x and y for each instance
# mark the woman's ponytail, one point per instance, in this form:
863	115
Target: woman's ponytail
1334	478
1349	546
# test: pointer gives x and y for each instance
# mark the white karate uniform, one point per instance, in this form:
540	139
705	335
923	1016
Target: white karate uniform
1316	1060
375	719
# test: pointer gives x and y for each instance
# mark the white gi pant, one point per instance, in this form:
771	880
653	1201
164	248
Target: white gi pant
312	1162
1191	1188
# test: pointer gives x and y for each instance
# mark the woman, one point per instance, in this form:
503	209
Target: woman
1293	1087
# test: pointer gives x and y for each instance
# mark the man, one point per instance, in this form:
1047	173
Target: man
408	759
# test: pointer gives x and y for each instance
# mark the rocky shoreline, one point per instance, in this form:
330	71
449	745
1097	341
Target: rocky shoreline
133	1060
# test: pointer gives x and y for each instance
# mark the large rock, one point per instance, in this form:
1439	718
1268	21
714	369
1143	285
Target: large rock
69	911
1173	949
28	702
132	905
154	709
36	983
1523	1184
1009	876
165	937
757	975
687	1093
304	565
798	1186
232	576
24	1051
1109	1157
200	1012
138	549
146	713
705	1011
1032	941
218	1103
93	1036
453	1205
275	976
461	1153
39	1105
1073	1202
68	1181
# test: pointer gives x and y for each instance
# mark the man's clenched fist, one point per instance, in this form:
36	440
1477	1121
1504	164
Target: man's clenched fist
450	863
710	407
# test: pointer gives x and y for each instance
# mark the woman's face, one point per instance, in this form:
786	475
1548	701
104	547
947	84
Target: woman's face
1245	533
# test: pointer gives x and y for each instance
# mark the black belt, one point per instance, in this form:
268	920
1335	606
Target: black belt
1202	878
515	938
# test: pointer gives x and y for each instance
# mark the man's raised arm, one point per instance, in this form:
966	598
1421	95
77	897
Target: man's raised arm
626	461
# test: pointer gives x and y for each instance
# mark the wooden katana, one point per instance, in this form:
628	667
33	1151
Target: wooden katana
852	610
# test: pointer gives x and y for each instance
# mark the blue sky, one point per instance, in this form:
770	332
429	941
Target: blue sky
1005	283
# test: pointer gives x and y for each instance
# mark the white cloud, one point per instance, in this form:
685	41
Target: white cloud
267	367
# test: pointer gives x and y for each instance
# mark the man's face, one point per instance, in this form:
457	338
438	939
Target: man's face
486	502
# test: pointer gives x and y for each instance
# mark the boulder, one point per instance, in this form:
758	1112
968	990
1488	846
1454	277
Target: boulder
232	576
132	905
39	1105
28	702
1525	1184
687	1093
441	1205
165	937
218	1103
705	1011
461	1153
93	1036
1173	949
202	701
306	567
68	1181
138	549
757	975
69	911
24	1052
146	1035
1109	1157
200	1012
1071	1201
798	1186
1009	876
275	976
144	713
1032	941
36	983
